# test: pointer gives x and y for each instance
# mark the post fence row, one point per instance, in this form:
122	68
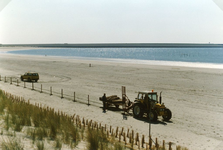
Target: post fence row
41	89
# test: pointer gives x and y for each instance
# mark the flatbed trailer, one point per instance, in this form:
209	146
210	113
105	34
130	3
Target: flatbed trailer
113	100
116	101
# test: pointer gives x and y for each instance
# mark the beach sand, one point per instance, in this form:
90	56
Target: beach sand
194	95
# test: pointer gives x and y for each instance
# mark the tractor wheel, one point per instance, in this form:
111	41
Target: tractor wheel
137	110
152	115
168	115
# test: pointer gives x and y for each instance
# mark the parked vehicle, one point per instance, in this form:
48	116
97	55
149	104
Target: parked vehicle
30	76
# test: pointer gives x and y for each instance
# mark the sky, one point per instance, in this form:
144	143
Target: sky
111	21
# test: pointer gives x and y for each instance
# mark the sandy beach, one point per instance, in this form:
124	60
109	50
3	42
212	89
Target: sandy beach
194	95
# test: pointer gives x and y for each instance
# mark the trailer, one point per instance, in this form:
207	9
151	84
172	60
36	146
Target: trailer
112	100
116	101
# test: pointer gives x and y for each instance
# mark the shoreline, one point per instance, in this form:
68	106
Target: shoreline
118	45
192	94
117	60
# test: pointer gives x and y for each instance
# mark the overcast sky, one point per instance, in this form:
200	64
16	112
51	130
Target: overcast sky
111	21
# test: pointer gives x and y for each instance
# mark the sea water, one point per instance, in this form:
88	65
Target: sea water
192	57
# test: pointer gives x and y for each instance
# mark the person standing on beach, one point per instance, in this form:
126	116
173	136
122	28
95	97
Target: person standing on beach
104	99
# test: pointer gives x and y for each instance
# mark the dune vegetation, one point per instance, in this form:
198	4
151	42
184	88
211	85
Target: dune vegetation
45	128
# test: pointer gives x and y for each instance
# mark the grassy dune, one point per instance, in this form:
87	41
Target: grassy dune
44	124
45	128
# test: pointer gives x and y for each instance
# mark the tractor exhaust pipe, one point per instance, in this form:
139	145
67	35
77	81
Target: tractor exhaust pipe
160	97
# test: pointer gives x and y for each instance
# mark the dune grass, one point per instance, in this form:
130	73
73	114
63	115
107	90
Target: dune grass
44	124
11	144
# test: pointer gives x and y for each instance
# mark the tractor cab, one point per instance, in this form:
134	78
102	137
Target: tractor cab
147	97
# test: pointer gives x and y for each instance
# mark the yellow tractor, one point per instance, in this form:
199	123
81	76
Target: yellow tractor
147	103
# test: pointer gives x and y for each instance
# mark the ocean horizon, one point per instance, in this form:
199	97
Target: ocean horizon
187	57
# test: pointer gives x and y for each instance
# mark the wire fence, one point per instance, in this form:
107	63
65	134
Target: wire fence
35	86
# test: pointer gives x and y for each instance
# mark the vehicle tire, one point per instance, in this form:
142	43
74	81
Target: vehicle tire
168	115
36	80
137	110
29	79
21	79
152	115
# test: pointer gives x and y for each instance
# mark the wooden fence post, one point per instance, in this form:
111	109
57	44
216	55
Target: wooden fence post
157	145
88	101
130	138
119	137
170	146
74	96
32	86
41	89
163	144
17	82
128	133
143	141
112	133
124	138
24	84
122	130
0	78
51	91
116	133
136	138
90	122
61	93
10	80
5	78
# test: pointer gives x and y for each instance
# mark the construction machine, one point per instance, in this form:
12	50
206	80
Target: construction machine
147	103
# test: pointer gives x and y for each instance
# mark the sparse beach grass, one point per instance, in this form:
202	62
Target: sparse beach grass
11	144
40	124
